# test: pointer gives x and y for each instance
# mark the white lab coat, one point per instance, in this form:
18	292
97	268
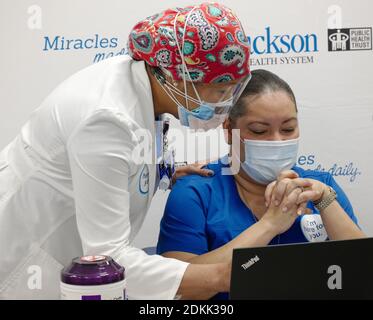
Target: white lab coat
69	186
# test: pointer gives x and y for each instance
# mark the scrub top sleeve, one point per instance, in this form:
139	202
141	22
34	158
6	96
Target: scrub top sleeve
342	199
99	155
183	226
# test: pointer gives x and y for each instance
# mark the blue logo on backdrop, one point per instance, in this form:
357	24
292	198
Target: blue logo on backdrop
271	43
348	170
144	180
272	48
109	46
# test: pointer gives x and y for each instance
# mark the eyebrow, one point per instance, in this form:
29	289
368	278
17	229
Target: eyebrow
267	124
293	118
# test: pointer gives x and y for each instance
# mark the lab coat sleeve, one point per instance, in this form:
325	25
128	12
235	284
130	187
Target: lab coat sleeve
99	153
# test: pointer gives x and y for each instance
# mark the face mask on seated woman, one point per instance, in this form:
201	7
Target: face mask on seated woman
265	160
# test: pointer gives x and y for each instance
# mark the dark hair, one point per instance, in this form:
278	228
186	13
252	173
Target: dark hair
261	81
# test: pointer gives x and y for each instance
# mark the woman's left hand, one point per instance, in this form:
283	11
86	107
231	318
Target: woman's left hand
196	168
312	190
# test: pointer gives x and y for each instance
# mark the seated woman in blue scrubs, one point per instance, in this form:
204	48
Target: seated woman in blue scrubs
263	203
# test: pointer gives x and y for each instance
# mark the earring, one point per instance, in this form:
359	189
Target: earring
158	75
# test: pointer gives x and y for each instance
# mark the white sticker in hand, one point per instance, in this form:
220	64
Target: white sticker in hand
313	228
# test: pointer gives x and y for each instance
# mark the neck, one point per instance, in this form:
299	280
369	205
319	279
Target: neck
248	185
161	101
251	193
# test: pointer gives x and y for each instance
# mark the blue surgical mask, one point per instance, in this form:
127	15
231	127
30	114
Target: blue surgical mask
202	117
203	112
265	160
205	117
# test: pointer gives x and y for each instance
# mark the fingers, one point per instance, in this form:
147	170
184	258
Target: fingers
287	174
286	186
299	198
192	169
198	169
268	193
205	172
302	209
309	195
280	190
291	200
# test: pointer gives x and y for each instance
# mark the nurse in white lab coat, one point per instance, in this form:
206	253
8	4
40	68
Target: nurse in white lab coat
69	182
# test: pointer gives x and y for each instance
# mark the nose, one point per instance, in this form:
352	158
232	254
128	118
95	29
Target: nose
277	136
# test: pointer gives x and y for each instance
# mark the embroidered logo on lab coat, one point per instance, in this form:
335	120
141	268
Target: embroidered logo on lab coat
144	180
313	228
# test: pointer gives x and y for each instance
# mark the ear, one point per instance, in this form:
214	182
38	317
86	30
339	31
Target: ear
227	126
179	84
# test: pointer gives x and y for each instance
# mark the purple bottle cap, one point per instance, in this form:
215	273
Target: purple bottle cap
92	270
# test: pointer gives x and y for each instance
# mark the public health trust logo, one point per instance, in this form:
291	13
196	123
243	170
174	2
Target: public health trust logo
350	39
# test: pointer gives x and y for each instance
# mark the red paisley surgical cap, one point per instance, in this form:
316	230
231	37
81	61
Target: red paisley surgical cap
214	45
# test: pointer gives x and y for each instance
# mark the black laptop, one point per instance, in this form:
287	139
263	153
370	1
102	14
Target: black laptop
323	270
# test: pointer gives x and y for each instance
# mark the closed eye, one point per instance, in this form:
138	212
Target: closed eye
258	132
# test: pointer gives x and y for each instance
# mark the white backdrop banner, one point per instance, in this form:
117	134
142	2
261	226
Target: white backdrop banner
323	48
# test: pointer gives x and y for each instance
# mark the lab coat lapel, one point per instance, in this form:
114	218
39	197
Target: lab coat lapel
147	110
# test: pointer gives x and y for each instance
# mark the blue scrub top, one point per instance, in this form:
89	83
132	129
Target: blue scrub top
204	213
